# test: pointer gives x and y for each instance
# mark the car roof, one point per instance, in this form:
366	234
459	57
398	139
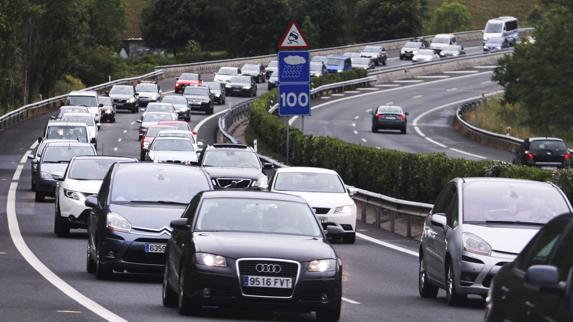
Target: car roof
338	57
508	180
81	157
68	114
64	123
306	170
389	106
251	194
545	139
151	167
82	93
502	19
165	122
175	132
228	146
70	143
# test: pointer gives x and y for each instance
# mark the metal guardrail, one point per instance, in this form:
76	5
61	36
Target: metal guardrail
34	109
233	115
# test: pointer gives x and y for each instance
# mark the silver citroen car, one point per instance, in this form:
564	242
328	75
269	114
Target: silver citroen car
476	226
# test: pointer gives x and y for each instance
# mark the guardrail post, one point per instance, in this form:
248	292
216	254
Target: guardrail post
409	227
377	218
364	210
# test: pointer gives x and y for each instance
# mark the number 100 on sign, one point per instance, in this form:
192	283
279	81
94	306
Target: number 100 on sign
294	99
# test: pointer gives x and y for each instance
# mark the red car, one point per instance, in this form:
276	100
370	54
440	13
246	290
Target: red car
151	133
185	80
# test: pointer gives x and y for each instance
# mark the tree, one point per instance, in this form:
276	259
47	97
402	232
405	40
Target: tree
311	31
450	16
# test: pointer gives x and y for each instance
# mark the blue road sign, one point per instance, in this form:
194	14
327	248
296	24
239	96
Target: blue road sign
294	67
294	99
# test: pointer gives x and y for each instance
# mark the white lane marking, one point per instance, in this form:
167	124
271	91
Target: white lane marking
34	145
133	122
119	140
451	89
69	312
356	117
2	253
28	255
338	94
433	76
25	156
355	132
408	81
347	300
115	149
351	92
467	153
387	245
486	82
369	110
485	67
292	119
461	72
367	89
168	92
435	142
389	103
363	140
205	120
388	85
325	97
353	124
124	131
416	97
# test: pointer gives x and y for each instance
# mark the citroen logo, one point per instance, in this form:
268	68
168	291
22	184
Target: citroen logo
268	268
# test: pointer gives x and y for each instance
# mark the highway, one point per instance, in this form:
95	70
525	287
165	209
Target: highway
380	284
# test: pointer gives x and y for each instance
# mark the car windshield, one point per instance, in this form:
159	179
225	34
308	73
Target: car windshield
178	134
86	119
316	67
273	63
228	71
90	169
511	202
390	109
213	86
105	100
241	80
493	27
360	61
251	68
146	88
425	52
309	182
156	117
157	107
65	153
496	40
257	216
82	100
73	109
122	90
169	184
182	126
231	159
548	145
172	145
174	99
441	40
413	44
62	132
154	130
335	61
369	49
189	76
198	91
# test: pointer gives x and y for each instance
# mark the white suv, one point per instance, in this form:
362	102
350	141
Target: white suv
324	191
82	178
441	41
88	99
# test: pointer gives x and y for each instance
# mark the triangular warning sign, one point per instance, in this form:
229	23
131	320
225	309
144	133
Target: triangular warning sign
293	38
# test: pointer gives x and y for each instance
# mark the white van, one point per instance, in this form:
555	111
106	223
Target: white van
504	27
88	99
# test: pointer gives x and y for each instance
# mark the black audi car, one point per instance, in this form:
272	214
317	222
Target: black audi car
128	226
241	85
252	249
199	98
543	152
234	166
124	97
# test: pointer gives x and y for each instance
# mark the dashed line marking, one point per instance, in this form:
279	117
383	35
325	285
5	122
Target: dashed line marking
133	122
347	300
369	110
433	76
416	97
408	81
451	89
2	253
353	124
355	132
461	72
338	94
119	140
367	89
485	67
115	149
357	117
387	245
124	131
363	140
324	97
69	312
388	85
486	82
352	92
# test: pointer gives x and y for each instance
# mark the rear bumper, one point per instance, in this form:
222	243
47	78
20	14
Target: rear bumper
389	124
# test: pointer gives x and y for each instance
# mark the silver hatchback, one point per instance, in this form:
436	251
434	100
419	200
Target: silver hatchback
476	226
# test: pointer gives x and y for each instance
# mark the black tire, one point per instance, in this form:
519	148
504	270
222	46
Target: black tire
90	263
188	117
384	62
425	289
102	272
452	296
61	225
142	156
209	110
350	238
185	304
168	295
403	131
33	188
40	196
374	129
134	109
113	120
329	315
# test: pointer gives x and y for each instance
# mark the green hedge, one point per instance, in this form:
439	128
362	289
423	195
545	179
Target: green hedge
338	77
411	176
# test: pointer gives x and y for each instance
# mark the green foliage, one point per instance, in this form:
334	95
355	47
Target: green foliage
449	17
338	77
381	19
67	84
311	31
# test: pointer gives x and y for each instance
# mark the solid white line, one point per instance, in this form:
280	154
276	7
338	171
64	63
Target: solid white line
451	89
352	92
25	156
433	76
467	153
42	269
34	145
417	96
388	85
338	94
367	89
356	117
387	245
435	142
461	72
205	120
347	300
363	140
408	81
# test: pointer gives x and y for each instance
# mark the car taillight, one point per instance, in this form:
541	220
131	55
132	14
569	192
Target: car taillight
379	116
402	117
194	132
530	156
566	156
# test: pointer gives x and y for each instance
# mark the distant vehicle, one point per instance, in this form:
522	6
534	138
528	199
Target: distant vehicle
72	109
441	41
82	178
389	117
147	92
477	226
107	109
503	27
181	106
187	79
218	90
198	145
318	69
362	63
152	132
324	191
172	150
351	54
37	154
272	68
410	49
376	53
225	73
338	64
257	71
124	97
241	85
199	98
495	44
88	99
88	120
543	152
161	107
319	59
425	55
179	125
537	285
452	51
66	131
153	118
273	82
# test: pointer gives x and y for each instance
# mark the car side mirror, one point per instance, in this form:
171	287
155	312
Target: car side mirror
40	139
58	176
98	125
31	157
91	201
100	105
439	219
546	277
268	166
407	113
139	121
180	224
334	232
200	144
93	141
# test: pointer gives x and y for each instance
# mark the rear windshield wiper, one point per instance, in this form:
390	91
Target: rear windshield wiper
517	222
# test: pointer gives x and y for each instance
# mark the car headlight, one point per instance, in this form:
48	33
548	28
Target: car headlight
261	183
46	175
210	260
73	194
402	51
131	100
228	86
322	265
108	111
475	244
218	95
116	222
246	87
343	210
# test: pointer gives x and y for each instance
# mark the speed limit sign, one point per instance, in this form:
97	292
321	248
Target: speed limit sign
294	99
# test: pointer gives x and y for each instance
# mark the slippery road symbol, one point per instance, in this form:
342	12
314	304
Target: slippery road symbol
293	37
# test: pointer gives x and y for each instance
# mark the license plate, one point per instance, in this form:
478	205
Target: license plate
267	281
390	117
155	248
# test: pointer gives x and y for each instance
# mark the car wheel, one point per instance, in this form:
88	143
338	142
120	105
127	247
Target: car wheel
40	196
384	62
103	272
113	120
374	129
61	225
168	295
188	117
210	111
90	264
330	315
186	305
452	297
425	289
142	156
33	188
350	238
403	131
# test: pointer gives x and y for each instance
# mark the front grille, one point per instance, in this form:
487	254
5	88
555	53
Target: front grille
233	182
119	101
321	211
248	267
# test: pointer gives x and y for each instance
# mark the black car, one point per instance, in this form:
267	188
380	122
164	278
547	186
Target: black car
543	152
234	166
273	81
257	71
538	284
247	249
241	86
389	117
410	48
124	97
199	98
128	226
107	109
218	90
53	164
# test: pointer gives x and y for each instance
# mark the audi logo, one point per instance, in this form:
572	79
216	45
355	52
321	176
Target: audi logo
268	268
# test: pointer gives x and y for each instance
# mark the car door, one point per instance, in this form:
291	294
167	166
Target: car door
435	239
180	239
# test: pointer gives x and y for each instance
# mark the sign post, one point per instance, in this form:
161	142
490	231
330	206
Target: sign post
294	76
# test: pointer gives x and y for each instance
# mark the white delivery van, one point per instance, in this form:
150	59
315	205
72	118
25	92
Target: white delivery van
503	27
